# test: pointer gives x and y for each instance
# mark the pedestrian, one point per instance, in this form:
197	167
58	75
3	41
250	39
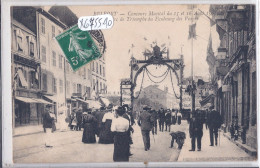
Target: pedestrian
196	132
106	136
47	125
98	114
79	119
179	117
214	123
120	128
168	120
155	118
74	121
173	114
127	115
53	121
145	121
161	119
90	127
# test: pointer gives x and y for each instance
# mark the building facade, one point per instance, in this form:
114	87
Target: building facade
235	77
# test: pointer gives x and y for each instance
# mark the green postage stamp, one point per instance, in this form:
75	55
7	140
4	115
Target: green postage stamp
78	46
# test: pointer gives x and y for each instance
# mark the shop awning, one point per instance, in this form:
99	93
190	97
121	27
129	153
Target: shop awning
42	101
26	99
81	100
22	79
52	98
105	101
93	104
206	100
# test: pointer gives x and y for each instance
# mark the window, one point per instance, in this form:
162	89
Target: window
100	69
53	31
85	73
104	87
43	53
54	84
100	86
94	84
74	88
60	61
61	86
68	87
44	80
79	88
43	25
96	67
20	43
89	73
104	71
31	49
93	67
53	58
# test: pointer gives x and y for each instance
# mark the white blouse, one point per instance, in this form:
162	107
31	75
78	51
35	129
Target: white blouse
119	124
108	116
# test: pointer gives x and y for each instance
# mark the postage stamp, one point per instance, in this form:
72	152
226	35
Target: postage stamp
78	47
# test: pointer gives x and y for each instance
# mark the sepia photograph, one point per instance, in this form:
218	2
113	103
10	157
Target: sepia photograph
134	83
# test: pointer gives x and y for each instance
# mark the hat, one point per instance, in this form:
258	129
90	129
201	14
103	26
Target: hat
146	108
120	110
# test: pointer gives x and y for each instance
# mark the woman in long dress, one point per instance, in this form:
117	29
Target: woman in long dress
120	128
89	124
106	136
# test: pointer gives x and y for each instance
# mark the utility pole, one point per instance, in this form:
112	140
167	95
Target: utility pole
192	82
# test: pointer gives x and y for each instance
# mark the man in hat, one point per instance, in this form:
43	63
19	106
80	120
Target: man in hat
79	119
196	131
155	118
214	123
145	121
161	119
47	125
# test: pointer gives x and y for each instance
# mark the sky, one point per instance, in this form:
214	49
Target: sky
174	34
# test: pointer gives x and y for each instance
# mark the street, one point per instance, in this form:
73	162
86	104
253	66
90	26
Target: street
68	148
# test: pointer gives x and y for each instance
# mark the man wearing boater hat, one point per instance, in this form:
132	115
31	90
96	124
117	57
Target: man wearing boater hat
145	121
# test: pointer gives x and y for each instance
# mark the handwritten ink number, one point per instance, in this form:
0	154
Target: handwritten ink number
91	22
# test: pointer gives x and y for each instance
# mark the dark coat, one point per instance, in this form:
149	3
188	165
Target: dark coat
90	127
168	118
155	117
47	120
214	120
196	128
145	121
161	116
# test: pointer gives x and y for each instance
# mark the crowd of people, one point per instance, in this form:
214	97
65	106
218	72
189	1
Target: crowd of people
114	126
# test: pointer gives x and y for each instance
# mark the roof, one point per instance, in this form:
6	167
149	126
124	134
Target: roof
20	25
52	18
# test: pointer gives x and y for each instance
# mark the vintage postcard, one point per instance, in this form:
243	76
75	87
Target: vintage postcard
134	83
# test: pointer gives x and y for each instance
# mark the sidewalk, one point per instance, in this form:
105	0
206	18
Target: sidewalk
225	151
27	130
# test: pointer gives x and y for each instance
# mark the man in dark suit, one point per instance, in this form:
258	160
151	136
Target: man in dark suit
196	131
79	119
146	122
155	117
214	123
161	119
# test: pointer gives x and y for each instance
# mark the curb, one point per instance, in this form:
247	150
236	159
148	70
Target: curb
30	133
247	149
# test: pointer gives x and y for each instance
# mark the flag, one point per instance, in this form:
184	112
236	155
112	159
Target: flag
212	22
220	31
192	31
